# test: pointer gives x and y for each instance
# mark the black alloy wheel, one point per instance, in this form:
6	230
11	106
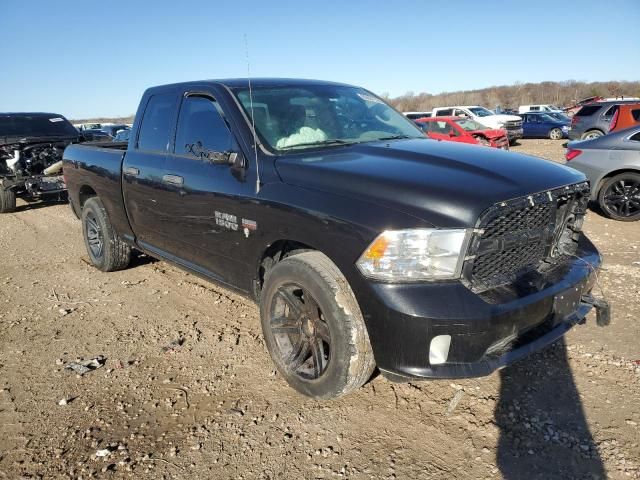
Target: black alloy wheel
619	197
313	327
300	331
95	237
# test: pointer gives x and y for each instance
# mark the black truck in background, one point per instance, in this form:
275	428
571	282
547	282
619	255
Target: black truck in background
31	147
365	243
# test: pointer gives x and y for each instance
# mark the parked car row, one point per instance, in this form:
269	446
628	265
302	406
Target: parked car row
612	164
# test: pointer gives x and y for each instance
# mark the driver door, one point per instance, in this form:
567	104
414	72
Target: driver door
205	199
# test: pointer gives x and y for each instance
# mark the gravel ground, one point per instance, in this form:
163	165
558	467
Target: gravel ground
187	389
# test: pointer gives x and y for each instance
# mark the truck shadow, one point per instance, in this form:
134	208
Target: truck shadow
543	430
24	206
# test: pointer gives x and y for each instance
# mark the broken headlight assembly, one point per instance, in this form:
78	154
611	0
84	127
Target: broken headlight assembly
415	255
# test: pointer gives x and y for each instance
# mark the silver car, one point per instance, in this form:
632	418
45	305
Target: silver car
612	165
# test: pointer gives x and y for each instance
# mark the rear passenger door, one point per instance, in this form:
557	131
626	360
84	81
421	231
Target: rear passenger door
143	168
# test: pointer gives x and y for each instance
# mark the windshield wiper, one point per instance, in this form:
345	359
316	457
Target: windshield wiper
395	137
329	142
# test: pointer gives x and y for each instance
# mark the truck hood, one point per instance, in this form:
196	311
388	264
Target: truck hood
446	184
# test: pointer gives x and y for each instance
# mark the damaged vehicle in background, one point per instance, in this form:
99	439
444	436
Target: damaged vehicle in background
31	147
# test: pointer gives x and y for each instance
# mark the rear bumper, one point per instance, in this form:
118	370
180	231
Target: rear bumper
487	331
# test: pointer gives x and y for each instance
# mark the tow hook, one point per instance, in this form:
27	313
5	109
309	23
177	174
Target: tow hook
603	309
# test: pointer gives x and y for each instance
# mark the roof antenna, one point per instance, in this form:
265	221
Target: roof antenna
253	121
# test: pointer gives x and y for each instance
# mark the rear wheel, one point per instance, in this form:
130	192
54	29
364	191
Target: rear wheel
7	200
106	250
619	197
591	134
555	134
313	327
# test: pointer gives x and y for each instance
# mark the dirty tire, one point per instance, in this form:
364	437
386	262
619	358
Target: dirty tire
106	250
619	197
555	134
7	200
350	361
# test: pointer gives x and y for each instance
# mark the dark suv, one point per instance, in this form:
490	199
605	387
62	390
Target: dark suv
593	119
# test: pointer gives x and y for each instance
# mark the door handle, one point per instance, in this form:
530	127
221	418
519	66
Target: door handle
132	171
173	179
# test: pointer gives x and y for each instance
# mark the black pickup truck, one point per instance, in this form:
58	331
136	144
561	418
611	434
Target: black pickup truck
364	242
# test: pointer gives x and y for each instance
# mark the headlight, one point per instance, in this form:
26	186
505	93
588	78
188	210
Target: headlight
413	255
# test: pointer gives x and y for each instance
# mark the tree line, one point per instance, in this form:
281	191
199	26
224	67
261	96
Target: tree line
565	94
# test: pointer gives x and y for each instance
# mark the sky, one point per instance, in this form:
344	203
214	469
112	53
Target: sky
94	58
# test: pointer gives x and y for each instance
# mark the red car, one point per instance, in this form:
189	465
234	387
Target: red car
465	130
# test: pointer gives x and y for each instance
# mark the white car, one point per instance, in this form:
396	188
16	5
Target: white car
511	123
538	108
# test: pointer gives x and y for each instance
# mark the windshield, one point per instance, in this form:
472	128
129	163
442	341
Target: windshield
470	125
294	118
35	126
480	111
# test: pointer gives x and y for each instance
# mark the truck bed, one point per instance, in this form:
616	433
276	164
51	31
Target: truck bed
95	168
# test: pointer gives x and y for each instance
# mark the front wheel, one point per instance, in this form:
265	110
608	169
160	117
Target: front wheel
313	327
555	134
619	197
106	250
7	200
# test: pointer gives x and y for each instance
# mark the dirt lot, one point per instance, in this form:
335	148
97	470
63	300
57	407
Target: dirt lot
214	407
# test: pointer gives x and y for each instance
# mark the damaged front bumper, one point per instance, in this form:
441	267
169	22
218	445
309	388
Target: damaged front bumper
444	330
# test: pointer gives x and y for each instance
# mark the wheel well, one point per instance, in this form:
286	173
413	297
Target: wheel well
273	254
613	174
86	192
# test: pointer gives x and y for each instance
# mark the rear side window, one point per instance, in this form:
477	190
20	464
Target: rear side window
156	123
636	137
445	112
636	115
588	110
201	129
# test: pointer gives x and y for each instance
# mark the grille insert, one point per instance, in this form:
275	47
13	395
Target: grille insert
521	235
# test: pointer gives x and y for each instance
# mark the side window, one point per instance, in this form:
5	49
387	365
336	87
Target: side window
535	108
156	123
444	112
636	115
202	130
636	137
611	111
